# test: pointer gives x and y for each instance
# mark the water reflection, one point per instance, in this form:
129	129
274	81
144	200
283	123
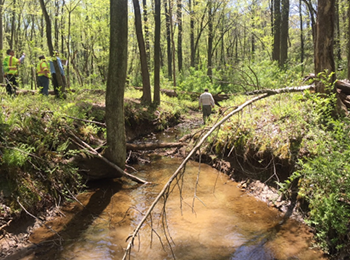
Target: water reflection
220	223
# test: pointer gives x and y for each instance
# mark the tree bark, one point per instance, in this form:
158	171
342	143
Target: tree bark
156	93
146	97
324	57
179	35
348	39
115	121
301	38
1	37
284	33
193	52
276	31
168	40
146	28
210	39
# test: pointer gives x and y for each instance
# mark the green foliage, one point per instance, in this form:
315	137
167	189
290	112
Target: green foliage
324	177
194	81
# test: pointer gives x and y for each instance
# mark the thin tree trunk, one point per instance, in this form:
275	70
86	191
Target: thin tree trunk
49	44
348	39
1	36
156	97
337	33
168	40
210	39
145	23
13	19
193	51
276	31
284	33
172	41
146	97
179	35
301	38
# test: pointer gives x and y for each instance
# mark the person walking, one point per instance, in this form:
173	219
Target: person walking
53	73
43	71
10	65
206	102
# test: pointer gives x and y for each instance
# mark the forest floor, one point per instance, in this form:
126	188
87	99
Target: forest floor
14	238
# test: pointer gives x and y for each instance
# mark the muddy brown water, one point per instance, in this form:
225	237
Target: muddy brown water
211	218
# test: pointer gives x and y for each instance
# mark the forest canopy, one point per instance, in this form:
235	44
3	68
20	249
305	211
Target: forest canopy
233	46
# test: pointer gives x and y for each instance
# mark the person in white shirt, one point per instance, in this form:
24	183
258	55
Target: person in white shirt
206	102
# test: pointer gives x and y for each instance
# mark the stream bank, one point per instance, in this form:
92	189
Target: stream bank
21	232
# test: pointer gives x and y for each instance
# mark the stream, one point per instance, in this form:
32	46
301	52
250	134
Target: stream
207	216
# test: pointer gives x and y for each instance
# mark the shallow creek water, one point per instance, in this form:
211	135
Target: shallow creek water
222	222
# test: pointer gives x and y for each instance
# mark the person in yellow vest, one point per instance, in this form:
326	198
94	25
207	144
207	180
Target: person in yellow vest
10	65
43	70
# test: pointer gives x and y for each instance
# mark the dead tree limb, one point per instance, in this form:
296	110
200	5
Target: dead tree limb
281	90
175	174
151	146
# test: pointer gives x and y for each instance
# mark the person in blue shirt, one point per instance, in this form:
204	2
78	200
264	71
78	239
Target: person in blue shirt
53	73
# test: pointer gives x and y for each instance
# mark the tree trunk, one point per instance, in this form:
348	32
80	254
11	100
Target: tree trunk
168	40
172	41
156	97
146	97
1	37
115	121
348	39
210	39
179	35
284	33
193	51
13	19
276	31
337	34
145	23
301	38
50	46
324	58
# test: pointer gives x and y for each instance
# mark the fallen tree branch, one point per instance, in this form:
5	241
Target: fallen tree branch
172	178
152	146
119	170
281	90
26	211
6	225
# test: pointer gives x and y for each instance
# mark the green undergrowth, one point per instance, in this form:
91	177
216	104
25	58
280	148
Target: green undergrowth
37	135
294	138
